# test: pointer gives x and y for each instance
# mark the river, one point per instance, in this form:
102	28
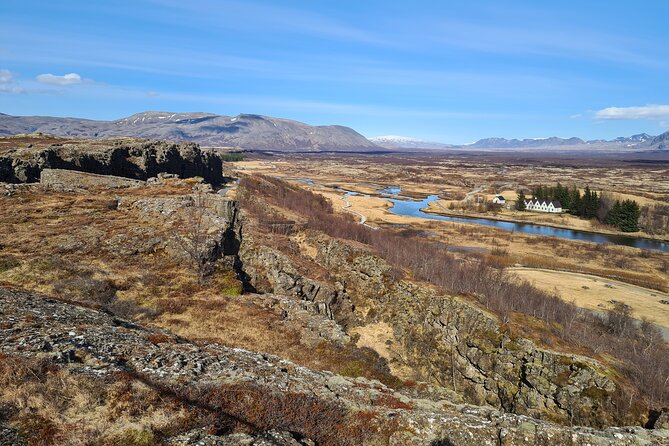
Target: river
414	208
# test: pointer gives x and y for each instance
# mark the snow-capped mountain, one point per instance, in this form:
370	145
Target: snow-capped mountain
406	142
634	139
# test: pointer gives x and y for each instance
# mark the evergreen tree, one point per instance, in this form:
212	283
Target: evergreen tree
562	195
615	215
624	215
630	216
575	201
520	201
590	203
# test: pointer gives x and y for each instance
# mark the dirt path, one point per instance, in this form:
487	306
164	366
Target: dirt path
474	191
347	207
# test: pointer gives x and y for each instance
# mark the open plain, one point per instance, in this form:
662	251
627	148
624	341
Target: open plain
464	183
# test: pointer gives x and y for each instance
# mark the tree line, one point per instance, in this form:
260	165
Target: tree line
623	215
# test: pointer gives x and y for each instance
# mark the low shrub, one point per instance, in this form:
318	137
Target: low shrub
8	262
495	289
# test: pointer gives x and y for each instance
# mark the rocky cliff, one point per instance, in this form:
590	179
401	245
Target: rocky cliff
21	163
269	396
445	340
448	371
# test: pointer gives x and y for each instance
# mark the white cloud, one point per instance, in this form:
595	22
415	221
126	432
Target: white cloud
652	112
66	79
5	76
7	84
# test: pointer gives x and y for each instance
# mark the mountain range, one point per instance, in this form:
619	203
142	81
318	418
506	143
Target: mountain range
245	131
638	142
256	132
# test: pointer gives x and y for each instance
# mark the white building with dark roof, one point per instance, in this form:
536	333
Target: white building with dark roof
553	207
499	199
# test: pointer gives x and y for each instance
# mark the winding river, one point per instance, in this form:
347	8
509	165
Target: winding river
409	207
414	208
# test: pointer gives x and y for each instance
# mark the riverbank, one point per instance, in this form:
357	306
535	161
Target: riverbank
448	213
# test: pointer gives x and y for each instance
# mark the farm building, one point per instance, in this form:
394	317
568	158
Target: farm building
554	207
499	199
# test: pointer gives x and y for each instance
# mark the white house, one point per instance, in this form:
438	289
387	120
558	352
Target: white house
498	199
553	207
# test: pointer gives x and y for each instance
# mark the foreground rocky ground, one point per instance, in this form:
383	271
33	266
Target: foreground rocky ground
257	398
177	315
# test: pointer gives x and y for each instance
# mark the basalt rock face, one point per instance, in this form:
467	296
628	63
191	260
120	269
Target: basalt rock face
279	402
124	158
454	343
444	340
270	271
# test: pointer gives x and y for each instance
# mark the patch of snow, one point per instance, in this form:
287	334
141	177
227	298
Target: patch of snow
394	138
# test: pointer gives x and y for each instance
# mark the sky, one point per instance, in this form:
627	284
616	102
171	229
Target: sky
435	70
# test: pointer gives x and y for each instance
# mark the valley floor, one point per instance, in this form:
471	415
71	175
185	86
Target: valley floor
418	177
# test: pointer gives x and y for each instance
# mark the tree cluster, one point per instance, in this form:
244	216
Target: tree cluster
624	215
583	205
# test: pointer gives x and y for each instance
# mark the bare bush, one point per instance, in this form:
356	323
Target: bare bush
191	236
496	289
619	320
665	267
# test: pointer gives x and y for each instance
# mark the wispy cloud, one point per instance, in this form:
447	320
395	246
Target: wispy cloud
245	15
7	84
650	112
64	80
5	76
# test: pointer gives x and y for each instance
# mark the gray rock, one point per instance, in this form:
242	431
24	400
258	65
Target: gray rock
300	401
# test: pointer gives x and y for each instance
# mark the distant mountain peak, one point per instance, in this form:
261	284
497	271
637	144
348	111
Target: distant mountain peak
661	142
407	142
245	131
503	143
638	138
394	138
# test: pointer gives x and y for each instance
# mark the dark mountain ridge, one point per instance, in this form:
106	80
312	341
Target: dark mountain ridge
245	131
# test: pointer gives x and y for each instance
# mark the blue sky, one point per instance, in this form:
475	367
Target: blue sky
445	71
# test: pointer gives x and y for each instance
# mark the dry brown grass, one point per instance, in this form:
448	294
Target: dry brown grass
496	290
598	294
79	245
49	405
56	243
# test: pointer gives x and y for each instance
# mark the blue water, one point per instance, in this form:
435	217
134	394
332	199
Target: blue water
413	208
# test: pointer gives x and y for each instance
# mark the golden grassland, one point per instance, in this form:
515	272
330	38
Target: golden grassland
454	179
58	407
598	294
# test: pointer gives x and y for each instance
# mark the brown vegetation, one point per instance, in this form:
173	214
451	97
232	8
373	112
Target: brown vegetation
644	360
49	405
